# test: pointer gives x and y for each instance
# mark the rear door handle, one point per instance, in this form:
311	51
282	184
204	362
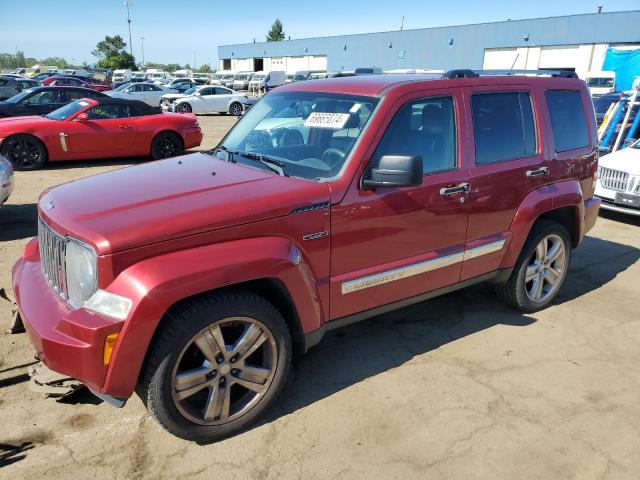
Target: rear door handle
462	188
539	172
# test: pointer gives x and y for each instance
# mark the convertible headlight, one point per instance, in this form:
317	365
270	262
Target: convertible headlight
82	278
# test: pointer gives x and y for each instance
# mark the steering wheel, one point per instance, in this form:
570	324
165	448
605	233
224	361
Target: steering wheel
332	156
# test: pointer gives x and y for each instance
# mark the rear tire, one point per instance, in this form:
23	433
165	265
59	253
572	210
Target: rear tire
25	152
216	366
541	268
166	145
235	109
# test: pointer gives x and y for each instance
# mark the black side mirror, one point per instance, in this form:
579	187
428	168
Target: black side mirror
394	171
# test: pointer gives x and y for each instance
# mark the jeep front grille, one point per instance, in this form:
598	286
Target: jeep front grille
614	179
53	248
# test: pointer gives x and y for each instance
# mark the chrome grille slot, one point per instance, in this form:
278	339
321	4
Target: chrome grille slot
53	249
614	179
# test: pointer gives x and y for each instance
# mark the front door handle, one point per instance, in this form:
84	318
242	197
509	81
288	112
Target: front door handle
125	127
462	188
539	172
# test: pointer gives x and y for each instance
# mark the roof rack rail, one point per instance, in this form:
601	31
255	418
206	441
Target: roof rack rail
466	73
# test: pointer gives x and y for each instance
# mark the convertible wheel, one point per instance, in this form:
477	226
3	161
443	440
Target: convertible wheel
184	108
165	145
24	152
235	109
216	365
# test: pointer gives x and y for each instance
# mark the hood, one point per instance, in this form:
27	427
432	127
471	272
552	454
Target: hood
29	121
625	160
173	96
172	198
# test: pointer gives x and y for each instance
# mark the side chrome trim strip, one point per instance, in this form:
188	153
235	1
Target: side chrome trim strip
483	250
400	273
421	267
63	141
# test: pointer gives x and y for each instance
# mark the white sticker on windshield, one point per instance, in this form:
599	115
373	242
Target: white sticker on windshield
84	104
355	108
327	120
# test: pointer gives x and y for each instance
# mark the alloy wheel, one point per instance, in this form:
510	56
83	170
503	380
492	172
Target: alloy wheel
23	153
168	146
224	371
546	269
236	109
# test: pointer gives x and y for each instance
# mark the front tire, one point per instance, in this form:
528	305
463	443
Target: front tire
216	366
541	268
235	109
184	108
166	145
24	152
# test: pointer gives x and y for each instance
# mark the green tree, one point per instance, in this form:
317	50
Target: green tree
276	33
205	68
57	61
112	54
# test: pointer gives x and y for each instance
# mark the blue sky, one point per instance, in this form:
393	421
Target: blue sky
174	29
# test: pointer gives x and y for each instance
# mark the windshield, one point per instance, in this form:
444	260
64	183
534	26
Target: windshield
122	87
242	77
18	97
600	82
68	110
300	76
228	77
190	91
311	134
258	77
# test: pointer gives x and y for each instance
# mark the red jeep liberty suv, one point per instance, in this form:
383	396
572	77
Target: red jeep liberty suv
192	280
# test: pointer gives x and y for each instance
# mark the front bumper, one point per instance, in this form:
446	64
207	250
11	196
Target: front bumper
608	204
5	190
68	341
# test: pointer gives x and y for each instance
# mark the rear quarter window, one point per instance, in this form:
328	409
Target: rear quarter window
568	119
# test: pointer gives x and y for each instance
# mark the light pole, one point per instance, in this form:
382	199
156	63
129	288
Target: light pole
142	40
129	4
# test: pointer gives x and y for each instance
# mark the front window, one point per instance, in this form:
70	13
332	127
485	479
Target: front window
68	110
306	134
190	91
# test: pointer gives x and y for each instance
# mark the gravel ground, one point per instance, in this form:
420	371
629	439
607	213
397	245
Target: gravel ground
458	387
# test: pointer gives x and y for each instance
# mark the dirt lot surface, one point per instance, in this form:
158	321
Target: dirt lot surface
458	387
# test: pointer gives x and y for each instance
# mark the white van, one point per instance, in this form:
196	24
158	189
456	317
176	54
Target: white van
120	76
600	83
268	78
138	76
157	75
183	74
71	72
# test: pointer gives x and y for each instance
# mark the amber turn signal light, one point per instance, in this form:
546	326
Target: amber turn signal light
109	345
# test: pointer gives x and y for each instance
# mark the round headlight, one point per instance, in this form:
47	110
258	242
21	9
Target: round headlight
82	278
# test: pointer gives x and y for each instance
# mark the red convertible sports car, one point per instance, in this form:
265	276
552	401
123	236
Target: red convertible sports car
103	128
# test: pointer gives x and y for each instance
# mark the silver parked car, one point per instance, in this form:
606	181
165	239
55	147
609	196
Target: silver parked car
10	86
6	179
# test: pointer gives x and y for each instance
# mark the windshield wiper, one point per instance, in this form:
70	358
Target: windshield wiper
273	164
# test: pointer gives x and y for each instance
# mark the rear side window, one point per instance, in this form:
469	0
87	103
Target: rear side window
503	127
568	119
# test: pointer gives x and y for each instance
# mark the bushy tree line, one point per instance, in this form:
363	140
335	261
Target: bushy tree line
10	61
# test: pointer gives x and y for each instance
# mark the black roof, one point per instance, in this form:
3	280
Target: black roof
67	88
141	107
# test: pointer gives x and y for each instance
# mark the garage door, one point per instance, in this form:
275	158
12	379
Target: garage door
499	58
559	57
